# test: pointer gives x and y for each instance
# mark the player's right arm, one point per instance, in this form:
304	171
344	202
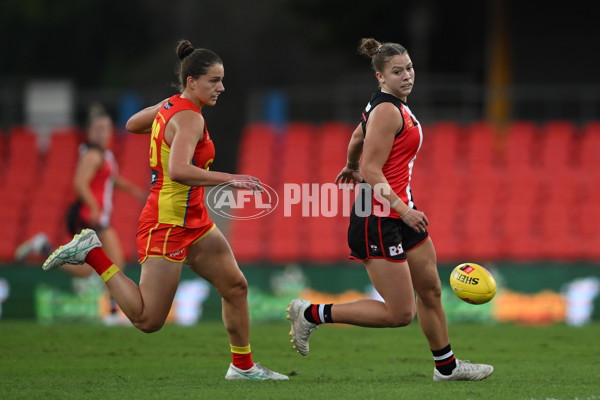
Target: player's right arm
141	122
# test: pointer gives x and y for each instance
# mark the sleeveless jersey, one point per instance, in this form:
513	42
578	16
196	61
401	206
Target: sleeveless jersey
407	142
101	185
172	202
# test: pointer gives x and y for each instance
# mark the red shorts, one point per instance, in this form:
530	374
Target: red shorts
168	241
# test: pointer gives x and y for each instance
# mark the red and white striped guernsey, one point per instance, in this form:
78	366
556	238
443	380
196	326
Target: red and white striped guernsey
407	142
101	185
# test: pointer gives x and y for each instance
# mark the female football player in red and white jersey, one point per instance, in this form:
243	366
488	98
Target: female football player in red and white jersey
96	175
175	226
389	236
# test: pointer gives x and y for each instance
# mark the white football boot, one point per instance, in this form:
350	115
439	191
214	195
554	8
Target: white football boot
256	373
301	327
73	252
465	371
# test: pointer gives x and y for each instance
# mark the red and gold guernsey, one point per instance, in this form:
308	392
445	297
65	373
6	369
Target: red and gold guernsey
172	202
407	143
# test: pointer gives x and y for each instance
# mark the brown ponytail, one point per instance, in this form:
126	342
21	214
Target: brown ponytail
379	53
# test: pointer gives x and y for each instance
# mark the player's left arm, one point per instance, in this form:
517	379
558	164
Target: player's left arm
141	122
384	122
184	130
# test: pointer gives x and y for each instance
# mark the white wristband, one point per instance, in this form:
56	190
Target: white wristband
395	203
404	215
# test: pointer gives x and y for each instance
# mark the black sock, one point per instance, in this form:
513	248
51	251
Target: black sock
318	313
444	360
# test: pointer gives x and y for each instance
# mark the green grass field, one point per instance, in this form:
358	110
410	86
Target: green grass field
95	362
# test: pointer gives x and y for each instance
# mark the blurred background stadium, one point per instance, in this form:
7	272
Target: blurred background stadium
507	92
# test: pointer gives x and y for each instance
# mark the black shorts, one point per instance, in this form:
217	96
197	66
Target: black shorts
74	221
381	237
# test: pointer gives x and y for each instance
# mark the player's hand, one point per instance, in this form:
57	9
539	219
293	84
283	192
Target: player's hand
416	220
348	176
247	182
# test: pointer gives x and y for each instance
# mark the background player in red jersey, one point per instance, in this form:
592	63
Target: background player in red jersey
95	178
394	245
174	225
96	175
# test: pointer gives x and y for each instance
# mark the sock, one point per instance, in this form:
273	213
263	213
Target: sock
319	314
242	357
444	360
101	264
113	306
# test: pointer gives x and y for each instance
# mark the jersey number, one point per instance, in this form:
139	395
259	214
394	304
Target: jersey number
153	145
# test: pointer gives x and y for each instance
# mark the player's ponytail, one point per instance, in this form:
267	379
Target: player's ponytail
379	53
184	49
368	47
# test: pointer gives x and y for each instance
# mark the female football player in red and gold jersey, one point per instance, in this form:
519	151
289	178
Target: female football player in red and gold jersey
390	237
175	226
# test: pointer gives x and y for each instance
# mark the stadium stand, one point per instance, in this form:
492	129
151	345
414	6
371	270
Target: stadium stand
519	144
18	187
286	235
589	148
256	157
526	192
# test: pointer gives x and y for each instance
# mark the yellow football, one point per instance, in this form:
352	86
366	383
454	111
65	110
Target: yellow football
473	283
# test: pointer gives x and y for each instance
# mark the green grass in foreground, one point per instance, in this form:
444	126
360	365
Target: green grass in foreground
95	362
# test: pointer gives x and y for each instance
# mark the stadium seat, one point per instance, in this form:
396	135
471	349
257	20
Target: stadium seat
11	222
586	219
445	142
589	148
23	158
2	148
286	238
247	239
556	140
247	235
257	153
41	218
285	234
480	213
133	158
257	156
441	203
61	159
480	147
326	234
331	150
519	144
